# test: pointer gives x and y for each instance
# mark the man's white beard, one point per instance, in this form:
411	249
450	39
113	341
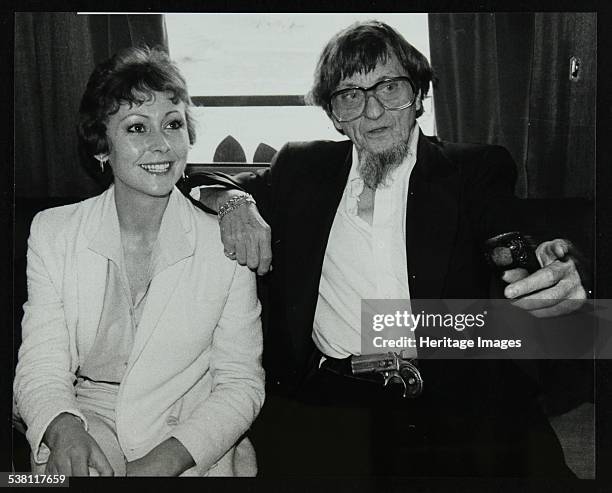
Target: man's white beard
374	168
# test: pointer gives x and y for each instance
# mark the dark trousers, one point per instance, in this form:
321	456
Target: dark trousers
342	426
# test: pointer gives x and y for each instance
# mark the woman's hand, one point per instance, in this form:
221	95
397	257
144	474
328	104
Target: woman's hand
169	458
73	450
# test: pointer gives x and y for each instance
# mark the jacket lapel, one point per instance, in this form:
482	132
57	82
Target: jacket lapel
332	183
176	243
92	270
91	280
162	288
431	220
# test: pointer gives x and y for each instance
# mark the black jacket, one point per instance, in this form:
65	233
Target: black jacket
459	195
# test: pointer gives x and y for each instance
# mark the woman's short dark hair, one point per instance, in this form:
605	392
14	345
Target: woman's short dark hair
360	47
130	76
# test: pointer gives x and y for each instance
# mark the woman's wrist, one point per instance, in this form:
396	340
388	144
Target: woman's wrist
62	423
181	459
169	458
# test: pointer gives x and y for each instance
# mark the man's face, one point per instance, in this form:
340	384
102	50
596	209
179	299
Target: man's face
378	130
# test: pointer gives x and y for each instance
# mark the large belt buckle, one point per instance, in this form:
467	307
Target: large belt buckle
394	368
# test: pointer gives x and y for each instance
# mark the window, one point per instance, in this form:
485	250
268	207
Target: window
247	74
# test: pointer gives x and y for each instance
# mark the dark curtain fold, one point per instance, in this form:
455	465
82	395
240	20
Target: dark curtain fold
504	78
110	33
54	54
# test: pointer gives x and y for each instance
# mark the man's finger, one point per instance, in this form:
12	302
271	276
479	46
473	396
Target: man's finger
226	236
265	262
100	463
562	298
265	252
540	279
549	251
533	303
561	249
514	275
562	308
238	251
546	297
241	250
252	249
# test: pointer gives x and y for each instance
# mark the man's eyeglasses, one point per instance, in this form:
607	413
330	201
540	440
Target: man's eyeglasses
394	93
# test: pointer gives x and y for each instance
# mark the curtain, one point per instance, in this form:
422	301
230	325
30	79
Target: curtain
55	53
110	33
504	79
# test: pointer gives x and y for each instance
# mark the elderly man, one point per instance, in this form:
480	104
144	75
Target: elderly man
389	213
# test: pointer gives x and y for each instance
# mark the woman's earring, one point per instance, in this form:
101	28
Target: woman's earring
102	161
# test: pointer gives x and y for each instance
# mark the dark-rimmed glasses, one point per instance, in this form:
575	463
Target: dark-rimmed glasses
393	93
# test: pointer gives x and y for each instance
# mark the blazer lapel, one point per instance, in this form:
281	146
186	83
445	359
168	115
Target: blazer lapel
162	288
176	243
91	284
431	220
92	267
332	183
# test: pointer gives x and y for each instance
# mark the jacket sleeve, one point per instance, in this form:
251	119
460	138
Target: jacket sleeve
220	420
44	382
261	184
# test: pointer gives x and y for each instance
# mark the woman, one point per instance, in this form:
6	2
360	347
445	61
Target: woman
141	350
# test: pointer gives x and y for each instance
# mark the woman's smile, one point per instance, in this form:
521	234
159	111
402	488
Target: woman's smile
157	168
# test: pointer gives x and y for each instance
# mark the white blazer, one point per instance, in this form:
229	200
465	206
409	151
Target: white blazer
195	368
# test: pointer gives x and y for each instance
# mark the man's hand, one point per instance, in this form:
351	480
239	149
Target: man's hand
554	289
247	238
169	458
73	450
245	235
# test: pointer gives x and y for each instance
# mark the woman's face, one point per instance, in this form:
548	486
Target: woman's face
148	145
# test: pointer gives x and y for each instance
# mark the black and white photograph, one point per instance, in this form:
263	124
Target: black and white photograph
318	250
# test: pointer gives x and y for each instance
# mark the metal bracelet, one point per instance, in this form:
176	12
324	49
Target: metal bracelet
234	203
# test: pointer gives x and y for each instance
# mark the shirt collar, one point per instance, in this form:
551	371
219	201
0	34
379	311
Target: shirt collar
173	244
107	240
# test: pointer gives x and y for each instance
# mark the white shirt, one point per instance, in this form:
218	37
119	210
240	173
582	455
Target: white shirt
363	261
